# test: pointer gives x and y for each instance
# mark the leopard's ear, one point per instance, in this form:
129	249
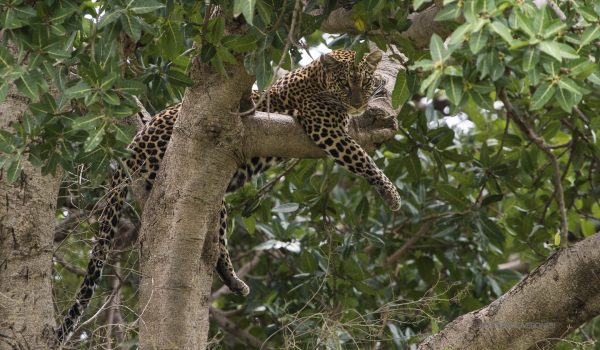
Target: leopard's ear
329	61
374	58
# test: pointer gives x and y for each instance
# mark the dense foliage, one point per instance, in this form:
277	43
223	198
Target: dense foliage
333	268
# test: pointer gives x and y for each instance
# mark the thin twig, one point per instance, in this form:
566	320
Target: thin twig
114	317
423	230
535	138
68	266
242	335
561	15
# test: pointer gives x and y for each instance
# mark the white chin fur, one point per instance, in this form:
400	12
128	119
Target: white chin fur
354	114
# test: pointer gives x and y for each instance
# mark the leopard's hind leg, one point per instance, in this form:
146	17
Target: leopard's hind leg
224	266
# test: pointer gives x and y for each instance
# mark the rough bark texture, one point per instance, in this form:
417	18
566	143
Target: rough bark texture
423	24
27	215
282	136
549	303
179	225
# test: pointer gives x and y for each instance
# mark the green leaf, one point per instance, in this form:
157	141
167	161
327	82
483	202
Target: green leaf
530	58
426	269
401	93
239	43
460	34
413	166
108	80
87	122
245	7
124	133
28	88
61	15
9	19
525	24
453	196
454	89
130	87
111	98
553	29
170	40
264	72
110	17
431	82
14	169
471	10
132	27
225	55
478	40
6	141
590	34
6	59
557	51
438	51
29	123
144	6
418	3
502	30
571	85
265	9
491	230
565	100
216	29
448	13
492	198
207	52
542	95
78	90
286	208
540	21
94	139
3	91
178	78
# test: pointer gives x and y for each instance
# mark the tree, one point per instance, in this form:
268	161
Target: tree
328	265
26	235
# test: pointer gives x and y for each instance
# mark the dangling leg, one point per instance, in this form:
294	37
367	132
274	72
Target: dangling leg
224	267
253	166
328	133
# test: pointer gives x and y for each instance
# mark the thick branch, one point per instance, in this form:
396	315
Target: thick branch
282	136
551	301
423	25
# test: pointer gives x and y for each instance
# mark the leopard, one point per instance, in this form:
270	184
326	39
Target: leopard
322	96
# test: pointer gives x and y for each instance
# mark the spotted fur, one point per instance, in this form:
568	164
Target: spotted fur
322	96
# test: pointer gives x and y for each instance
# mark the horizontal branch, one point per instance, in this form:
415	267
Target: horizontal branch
551	301
282	136
423	24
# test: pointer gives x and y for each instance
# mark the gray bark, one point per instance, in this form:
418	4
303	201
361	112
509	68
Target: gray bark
179	225
27	215
550	302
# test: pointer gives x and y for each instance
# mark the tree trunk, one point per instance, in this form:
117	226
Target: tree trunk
549	303
180	220
27	216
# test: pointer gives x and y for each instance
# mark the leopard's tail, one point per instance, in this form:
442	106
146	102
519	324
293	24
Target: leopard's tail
108	224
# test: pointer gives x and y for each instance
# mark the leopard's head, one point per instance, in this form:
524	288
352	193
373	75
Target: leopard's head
350	84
